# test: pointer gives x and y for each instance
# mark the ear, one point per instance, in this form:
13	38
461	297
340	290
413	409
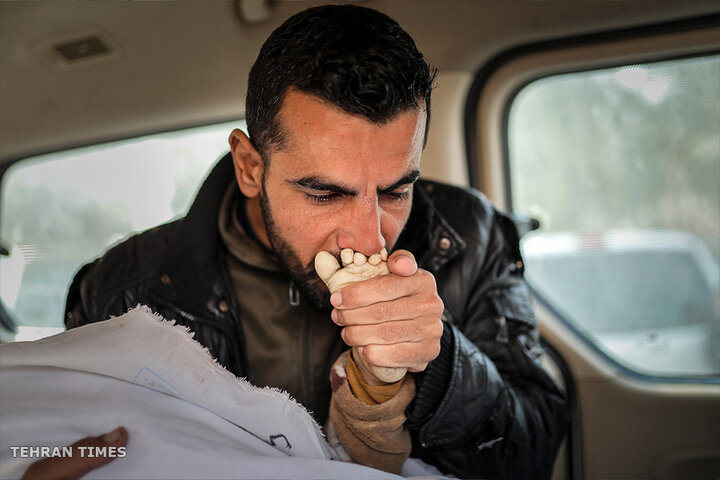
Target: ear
248	164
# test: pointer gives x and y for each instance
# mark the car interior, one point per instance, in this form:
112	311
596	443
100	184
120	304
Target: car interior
595	123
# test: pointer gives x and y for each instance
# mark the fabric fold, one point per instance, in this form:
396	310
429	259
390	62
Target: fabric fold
373	435
186	416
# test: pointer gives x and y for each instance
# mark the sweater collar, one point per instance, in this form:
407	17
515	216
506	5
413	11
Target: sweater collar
238	241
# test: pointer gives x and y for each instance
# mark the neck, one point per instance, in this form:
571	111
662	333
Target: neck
254	213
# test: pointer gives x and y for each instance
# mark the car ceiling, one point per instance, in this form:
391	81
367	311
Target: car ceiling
185	63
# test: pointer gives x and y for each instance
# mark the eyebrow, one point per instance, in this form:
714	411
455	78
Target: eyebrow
321	184
408	179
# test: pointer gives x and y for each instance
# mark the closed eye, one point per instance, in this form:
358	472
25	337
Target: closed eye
402	195
323	199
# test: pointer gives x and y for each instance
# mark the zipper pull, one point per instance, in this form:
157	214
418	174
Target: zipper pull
502	335
293	295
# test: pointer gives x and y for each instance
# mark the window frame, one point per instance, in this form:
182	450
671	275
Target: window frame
6	163
579	360
498	83
8	325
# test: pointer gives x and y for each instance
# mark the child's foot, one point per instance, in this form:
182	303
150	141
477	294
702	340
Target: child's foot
356	267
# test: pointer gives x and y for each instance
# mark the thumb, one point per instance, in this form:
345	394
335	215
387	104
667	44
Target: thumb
402	263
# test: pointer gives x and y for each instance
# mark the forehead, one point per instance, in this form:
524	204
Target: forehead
321	139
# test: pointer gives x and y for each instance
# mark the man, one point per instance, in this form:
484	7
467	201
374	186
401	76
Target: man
337	110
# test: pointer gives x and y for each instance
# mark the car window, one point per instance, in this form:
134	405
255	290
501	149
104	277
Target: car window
63	209
621	167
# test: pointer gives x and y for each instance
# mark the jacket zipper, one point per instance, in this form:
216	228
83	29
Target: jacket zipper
307	384
502	335
293	294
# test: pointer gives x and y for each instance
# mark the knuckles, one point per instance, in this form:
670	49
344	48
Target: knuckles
348	336
383	310
374	355
413	340
394	332
415	357
434	306
399	343
421	282
420	330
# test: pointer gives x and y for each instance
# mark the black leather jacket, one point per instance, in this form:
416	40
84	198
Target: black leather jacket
484	408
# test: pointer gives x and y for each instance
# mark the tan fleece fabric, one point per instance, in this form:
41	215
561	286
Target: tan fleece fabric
363	391
290	347
372	435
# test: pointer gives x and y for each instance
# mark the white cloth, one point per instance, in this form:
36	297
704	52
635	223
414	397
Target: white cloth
186	416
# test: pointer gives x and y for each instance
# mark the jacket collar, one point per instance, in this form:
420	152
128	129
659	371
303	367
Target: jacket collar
427	234
196	249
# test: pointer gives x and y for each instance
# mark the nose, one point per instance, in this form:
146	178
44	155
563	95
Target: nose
362	228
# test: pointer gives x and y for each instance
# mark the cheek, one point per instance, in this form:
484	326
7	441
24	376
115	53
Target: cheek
305	230
393	221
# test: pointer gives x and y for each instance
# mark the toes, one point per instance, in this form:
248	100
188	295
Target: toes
356	267
347	256
359	259
326	265
350	257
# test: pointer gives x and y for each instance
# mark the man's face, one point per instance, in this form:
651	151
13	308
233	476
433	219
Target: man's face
339	181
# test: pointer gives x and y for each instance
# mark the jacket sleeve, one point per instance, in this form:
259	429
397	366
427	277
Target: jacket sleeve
485	408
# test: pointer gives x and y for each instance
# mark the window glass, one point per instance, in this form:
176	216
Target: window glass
61	210
621	166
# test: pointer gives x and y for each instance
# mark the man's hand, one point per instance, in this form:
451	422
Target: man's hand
72	468
394	319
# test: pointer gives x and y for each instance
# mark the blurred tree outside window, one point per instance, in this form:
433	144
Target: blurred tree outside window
621	166
61	210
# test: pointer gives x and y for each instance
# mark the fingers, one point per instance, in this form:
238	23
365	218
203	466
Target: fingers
383	288
393	319
80	464
413	356
417	330
407	307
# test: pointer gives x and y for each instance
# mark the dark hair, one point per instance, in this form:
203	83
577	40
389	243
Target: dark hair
356	58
